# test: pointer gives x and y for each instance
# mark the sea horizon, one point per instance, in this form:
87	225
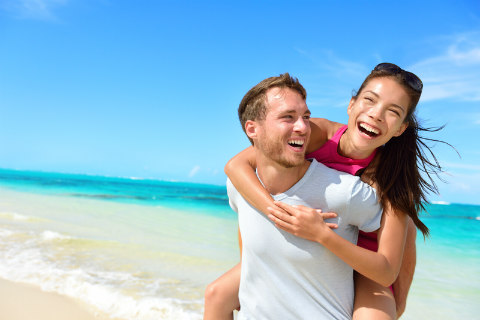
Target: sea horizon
156	179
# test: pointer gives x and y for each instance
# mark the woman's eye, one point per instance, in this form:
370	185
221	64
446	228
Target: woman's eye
395	112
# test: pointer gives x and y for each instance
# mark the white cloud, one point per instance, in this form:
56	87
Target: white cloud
328	61
194	171
343	74
32	9
454	73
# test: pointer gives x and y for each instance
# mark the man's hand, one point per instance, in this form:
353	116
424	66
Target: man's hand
301	221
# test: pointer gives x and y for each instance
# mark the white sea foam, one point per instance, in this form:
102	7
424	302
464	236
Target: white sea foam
14	216
441	202
118	294
48	235
6	233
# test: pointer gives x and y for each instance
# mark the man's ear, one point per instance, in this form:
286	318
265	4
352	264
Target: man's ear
251	129
403	127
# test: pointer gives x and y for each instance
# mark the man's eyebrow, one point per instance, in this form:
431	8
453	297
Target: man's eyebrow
294	111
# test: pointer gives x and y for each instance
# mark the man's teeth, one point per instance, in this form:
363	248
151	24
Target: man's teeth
296	142
369	129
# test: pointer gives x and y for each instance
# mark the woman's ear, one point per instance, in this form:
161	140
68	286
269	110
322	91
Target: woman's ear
350	106
402	128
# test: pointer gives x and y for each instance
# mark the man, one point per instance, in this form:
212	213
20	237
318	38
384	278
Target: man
284	276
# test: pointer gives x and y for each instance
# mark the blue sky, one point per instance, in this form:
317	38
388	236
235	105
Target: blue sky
150	88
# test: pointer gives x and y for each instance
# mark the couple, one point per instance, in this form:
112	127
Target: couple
294	264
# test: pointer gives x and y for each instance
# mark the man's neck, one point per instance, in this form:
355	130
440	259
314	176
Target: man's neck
278	179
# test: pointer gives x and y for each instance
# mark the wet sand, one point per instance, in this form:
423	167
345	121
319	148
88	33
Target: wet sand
24	302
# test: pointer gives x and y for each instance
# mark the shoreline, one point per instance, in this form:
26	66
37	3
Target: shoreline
19	301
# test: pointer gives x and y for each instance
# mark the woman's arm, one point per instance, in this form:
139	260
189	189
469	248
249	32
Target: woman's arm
321	131
381	266
241	171
405	276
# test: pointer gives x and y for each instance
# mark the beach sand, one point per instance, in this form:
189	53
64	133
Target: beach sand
24	302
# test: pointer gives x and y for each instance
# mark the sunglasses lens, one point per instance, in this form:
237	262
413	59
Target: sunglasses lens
411	79
414	82
388	67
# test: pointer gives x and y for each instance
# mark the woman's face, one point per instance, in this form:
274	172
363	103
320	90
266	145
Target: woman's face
377	114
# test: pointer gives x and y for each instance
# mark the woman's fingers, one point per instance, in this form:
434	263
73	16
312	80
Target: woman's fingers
288	208
296	210
281	224
280	215
332	225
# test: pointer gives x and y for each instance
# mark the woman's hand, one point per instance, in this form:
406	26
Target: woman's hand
301	221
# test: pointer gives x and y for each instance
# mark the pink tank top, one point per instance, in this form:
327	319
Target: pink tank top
328	155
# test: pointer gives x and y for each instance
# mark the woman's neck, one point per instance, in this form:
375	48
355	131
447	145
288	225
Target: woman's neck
347	149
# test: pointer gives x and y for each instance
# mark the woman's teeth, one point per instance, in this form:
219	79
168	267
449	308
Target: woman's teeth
368	130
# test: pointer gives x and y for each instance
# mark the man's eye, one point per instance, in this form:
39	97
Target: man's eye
306	117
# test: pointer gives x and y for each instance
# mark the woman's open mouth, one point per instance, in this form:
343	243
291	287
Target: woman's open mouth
368	130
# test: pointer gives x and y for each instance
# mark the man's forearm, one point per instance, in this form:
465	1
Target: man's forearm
404	280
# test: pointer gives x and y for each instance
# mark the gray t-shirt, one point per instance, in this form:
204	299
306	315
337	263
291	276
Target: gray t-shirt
287	277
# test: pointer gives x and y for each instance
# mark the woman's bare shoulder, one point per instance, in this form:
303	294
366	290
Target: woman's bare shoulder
322	130
328	128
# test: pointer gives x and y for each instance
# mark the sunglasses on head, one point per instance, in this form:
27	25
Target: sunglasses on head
410	79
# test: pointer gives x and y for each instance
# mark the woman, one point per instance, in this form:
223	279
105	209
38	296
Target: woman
381	140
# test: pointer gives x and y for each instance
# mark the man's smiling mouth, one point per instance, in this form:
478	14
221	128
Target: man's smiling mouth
296	143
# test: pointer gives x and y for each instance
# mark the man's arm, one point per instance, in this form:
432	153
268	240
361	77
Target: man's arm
405	276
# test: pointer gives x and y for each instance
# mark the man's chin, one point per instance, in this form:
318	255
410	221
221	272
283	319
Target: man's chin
292	163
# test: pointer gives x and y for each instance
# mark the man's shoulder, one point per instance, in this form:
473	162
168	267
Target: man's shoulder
319	169
338	181
232	194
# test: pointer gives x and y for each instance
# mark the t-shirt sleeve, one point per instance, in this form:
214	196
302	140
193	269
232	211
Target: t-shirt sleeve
365	211
232	195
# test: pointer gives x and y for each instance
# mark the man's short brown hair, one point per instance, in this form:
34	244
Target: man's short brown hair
254	104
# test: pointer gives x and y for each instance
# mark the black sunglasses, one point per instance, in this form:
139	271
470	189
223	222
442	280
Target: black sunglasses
411	79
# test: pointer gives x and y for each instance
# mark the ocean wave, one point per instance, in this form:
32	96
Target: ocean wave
450	216
14	216
106	196
6	233
441	203
119	294
48	235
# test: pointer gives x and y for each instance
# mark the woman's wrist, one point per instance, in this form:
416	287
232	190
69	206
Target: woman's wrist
324	234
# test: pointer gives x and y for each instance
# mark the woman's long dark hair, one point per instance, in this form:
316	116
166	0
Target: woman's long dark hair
401	160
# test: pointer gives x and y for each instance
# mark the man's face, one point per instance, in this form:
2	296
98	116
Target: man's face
283	135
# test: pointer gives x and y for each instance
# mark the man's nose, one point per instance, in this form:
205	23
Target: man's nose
301	125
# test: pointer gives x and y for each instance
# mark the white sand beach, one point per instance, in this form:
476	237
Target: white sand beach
25	302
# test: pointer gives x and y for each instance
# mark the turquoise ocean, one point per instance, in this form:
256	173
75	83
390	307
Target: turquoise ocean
146	249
